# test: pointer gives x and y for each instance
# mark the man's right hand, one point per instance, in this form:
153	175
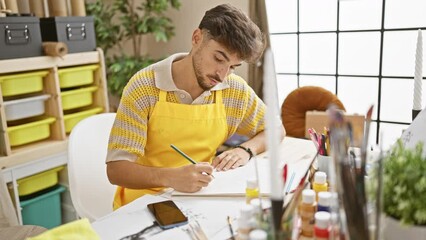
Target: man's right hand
190	178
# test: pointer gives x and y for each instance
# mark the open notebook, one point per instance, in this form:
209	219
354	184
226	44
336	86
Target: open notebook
233	182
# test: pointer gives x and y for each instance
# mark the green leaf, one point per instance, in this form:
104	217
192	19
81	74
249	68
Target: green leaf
119	21
405	184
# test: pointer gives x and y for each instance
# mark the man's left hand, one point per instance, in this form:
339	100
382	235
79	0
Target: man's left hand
230	159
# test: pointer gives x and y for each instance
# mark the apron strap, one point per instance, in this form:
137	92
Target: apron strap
218	96
163	95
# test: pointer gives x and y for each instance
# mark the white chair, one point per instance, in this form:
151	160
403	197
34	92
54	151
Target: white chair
91	192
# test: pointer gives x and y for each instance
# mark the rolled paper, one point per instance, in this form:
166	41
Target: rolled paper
78	8
417	100
24	6
12	5
37	7
2	8
57	8
55	49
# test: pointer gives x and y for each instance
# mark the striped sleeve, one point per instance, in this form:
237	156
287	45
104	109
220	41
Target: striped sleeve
129	133
245	110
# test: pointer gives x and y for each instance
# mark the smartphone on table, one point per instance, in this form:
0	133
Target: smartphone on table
167	214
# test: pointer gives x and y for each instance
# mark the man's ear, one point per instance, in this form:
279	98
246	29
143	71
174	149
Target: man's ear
197	37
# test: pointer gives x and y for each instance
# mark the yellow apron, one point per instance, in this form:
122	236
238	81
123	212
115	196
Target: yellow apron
198	130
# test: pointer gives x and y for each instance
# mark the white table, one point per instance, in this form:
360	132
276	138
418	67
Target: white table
210	212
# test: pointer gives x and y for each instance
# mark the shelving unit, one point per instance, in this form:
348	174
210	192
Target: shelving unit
17	162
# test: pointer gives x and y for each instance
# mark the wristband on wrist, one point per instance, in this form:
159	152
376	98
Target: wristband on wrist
247	150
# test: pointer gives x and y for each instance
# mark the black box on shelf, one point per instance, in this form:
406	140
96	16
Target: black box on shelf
20	37
77	32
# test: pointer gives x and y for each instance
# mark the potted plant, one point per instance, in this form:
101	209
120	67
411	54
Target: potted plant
404	192
129	20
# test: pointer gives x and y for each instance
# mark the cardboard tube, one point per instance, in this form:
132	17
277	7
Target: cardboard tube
57	8
12	5
55	49
24	6
2	5
37	7
78	8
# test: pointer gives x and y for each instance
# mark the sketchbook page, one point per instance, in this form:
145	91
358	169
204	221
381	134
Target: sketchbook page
233	182
211	213
298	153
126	220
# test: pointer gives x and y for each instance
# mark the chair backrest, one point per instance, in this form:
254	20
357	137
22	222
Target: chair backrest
91	192
301	100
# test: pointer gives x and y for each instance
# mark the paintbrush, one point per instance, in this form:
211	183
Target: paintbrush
379	191
353	204
350	188
360	177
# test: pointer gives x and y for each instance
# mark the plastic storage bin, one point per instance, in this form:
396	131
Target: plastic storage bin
72	119
77	98
25	107
22	83
39	181
43	210
76	76
29	132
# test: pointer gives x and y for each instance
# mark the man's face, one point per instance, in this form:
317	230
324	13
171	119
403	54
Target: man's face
213	63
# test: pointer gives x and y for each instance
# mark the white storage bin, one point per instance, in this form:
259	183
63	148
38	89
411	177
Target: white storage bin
25	107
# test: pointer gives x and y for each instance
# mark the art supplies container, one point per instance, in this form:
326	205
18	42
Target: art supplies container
38	182
25	107
77	32
30	132
320	182
307	209
43	210
77	98
323	163
20	37
324	201
246	222
258	234
76	76
22	83
322	225
252	190
72	119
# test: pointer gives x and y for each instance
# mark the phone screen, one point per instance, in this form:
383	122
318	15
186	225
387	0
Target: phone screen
167	214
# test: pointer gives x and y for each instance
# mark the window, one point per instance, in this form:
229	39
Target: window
362	50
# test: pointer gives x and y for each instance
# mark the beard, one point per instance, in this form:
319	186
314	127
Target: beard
202	81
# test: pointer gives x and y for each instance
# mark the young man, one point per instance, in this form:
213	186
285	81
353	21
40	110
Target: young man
193	101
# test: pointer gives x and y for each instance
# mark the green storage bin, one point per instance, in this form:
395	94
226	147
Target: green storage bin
16	84
77	98
76	76
43	210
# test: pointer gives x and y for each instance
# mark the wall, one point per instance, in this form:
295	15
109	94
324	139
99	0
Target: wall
186	20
